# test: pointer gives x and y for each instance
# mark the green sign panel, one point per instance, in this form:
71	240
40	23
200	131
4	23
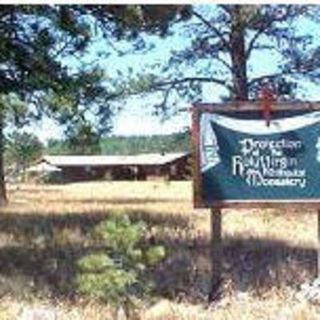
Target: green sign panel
242	159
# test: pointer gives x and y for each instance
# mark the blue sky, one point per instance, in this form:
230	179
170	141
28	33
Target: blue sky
136	117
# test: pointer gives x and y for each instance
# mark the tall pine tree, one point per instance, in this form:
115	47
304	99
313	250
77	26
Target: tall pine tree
36	76
222	45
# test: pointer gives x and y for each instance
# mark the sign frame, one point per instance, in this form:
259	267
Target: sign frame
235	107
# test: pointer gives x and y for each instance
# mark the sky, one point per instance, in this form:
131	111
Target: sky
126	123
130	120
136	116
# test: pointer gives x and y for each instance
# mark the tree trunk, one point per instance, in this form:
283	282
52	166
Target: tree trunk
238	55
3	193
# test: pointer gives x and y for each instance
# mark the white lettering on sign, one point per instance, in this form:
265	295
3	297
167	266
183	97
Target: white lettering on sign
266	162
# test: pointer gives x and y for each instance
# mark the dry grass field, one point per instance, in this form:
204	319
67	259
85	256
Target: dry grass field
268	254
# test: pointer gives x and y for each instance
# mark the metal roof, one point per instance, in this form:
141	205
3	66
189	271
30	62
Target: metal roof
140	159
43	167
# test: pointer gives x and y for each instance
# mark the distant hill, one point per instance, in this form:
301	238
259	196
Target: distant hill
122	145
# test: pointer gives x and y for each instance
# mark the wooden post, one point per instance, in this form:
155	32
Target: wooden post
216	254
318	245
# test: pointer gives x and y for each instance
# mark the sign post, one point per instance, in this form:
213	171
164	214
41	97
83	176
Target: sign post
318	251
216	253
243	161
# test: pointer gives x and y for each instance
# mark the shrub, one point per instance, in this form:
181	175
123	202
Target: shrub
121	271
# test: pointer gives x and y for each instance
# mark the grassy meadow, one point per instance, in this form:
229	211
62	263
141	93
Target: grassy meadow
268	254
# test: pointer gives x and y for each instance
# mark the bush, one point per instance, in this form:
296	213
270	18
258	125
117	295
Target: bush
122	270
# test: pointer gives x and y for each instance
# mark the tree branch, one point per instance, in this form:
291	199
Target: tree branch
227	8
256	37
213	28
226	64
174	82
267	77
266	25
277	75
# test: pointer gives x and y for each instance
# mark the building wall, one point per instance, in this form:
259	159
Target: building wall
177	170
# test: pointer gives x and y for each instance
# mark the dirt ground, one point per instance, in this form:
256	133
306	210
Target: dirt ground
269	255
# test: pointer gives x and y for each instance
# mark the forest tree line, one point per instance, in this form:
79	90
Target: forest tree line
124	145
23	149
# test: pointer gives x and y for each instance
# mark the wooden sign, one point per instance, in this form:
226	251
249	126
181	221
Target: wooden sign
240	160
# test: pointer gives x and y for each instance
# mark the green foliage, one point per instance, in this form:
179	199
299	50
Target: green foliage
21	149
121	271
120	234
95	262
176	142
82	139
37	77
153	255
55	146
117	145
110	284
14	108
132	19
